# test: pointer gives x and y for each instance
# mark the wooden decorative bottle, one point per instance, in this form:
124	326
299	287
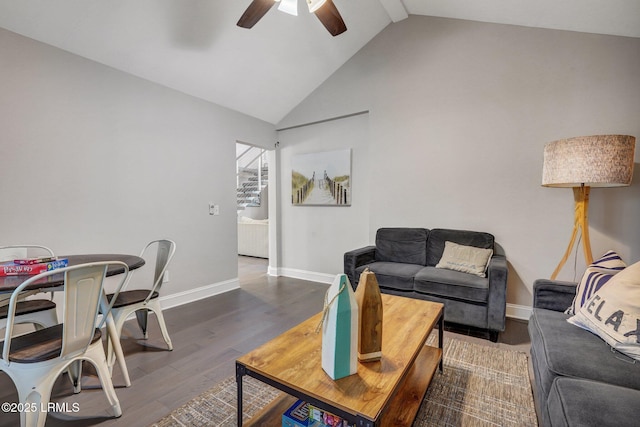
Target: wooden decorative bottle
370	317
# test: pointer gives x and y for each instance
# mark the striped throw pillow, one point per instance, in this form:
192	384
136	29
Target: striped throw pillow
613	313
597	274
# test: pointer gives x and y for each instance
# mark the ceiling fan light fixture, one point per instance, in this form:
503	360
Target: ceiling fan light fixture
315	4
289	6
324	10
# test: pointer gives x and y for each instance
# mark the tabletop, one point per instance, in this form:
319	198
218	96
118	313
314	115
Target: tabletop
10	283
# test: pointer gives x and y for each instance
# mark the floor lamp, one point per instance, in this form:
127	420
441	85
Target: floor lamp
584	162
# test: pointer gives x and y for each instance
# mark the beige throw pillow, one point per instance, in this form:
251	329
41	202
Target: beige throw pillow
467	259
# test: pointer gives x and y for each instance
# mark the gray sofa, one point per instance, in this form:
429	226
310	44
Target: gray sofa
404	261
579	381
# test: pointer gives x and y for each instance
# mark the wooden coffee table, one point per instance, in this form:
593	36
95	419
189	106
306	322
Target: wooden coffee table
382	393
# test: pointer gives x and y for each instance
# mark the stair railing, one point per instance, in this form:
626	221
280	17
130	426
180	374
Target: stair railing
259	158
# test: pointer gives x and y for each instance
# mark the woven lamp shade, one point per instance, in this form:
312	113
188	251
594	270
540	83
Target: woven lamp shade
594	161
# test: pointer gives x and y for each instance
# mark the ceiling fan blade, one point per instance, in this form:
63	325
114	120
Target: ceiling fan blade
330	17
256	10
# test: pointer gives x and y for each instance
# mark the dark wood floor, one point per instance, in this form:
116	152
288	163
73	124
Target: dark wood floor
208	335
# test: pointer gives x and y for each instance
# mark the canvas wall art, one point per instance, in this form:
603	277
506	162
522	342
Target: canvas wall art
321	179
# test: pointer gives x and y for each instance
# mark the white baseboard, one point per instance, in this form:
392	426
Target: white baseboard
515	311
521	312
306	275
273	271
180	298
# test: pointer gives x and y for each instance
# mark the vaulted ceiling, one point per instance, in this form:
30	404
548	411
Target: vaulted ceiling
194	46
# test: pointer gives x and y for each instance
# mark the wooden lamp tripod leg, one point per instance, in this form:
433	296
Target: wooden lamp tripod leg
580	222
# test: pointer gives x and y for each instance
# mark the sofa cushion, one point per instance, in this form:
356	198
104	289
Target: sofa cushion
405	245
596	275
467	259
562	349
583	403
393	275
438	237
452	284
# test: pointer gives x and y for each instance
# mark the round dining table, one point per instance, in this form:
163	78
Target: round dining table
9	283
55	282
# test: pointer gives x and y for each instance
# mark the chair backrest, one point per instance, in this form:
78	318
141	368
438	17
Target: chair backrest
82	293
12	252
164	253
166	249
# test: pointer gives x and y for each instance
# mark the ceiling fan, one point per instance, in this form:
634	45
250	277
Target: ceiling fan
325	10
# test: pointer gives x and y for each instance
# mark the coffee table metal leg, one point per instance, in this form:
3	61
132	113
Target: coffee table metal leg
240	372
441	339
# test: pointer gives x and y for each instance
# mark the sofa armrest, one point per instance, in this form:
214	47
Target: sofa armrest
354	259
497	271
553	294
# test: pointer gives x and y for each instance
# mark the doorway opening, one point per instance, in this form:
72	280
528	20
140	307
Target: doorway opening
252	195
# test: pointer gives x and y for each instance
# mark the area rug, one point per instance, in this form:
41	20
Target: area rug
480	386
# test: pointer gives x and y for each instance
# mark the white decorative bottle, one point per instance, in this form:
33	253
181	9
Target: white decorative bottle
340	330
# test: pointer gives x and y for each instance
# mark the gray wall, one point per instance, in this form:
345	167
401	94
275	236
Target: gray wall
98	161
312	238
459	115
